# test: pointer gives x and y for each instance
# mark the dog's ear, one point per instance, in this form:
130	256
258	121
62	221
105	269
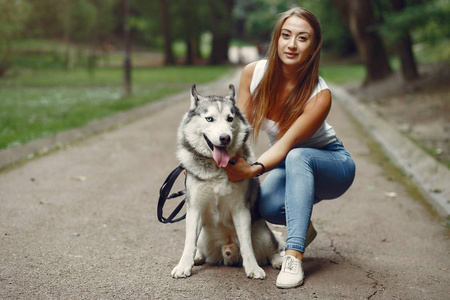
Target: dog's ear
194	97
231	93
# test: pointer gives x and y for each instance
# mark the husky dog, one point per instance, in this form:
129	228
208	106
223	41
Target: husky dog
222	224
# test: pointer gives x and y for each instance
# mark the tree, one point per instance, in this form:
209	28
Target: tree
127	60
82	24
404	46
336	38
220	12
169	58
189	25
13	15
260	18
359	17
423	21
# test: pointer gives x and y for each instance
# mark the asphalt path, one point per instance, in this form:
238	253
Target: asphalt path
80	223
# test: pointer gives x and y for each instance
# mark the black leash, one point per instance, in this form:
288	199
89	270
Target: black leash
164	195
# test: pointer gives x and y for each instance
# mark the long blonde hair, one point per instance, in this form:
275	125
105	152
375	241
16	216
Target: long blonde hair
307	77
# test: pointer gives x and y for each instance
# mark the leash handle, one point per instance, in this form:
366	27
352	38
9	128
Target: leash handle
164	196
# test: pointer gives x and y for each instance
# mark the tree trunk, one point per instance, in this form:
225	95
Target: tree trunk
127	63
404	45
193	55
359	17
221	26
196	48
189	53
169	58
191	18
219	52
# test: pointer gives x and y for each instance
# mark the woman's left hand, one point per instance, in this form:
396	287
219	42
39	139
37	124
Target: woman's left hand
240	170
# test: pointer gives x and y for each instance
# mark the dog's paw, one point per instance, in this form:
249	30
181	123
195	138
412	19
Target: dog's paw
255	272
199	259
181	271
276	261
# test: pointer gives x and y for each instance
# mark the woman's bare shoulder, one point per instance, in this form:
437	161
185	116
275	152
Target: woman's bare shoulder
247	74
249	69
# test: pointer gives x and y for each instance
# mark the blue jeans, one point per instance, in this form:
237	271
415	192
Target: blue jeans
304	178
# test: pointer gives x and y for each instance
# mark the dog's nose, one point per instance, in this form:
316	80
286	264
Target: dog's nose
228	253
225	139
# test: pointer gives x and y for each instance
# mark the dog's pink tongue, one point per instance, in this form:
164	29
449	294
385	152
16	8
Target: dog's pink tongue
221	157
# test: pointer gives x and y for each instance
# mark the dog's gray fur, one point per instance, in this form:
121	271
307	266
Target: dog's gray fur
222	224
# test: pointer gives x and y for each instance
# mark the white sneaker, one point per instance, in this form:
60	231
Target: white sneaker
291	274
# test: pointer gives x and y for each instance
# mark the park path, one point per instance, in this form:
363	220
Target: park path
80	223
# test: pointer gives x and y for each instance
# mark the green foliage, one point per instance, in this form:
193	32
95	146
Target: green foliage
106	21
180	49
12	17
82	16
435	52
260	18
188	20
427	21
147	23
38	61
44	54
336	38
77	21
146	29
46	19
95	22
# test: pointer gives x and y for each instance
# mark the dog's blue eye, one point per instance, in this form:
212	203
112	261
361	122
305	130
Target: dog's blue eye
230	119
209	119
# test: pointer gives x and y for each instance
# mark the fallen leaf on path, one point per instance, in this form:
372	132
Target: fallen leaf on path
79	178
436	190
391	194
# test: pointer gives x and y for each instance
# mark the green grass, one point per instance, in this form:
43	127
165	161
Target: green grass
36	104
114	76
339	74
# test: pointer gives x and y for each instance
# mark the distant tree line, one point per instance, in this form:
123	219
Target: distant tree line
376	29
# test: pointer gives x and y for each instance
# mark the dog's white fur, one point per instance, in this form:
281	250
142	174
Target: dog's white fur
222	225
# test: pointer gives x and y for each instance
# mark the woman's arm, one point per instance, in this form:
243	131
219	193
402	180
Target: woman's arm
303	129
313	116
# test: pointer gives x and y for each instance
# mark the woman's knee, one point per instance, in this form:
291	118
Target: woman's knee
271	203
295	155
337	181
299	156
271	212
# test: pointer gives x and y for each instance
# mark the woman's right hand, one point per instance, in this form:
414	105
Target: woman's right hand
241	170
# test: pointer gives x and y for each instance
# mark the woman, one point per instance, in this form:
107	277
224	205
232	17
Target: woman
285	97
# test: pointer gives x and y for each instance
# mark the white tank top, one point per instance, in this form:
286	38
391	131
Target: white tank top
323	136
